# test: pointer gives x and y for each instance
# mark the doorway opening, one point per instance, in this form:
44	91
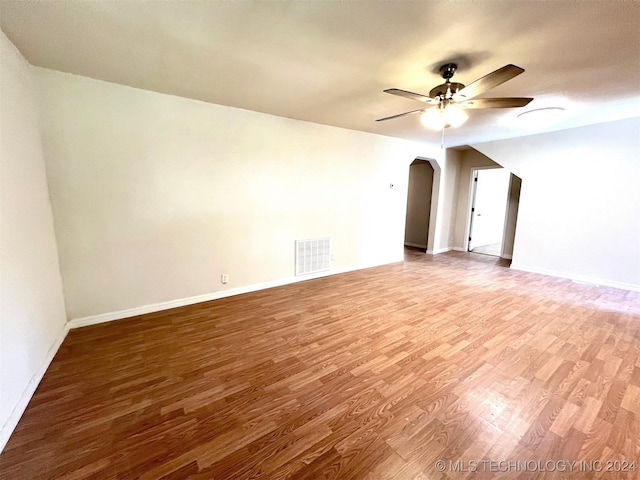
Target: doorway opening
490	189
420	190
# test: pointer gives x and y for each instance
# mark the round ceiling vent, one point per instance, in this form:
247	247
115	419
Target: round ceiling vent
542	116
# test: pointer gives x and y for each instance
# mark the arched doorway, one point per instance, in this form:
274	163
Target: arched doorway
419	195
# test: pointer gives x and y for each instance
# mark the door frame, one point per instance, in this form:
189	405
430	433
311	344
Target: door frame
472	207
471	201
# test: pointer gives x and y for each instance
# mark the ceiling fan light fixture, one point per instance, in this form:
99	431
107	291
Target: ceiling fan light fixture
454	116
441	117
433	119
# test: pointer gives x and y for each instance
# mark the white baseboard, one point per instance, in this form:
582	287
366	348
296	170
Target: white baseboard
415	245
578	278
10	425
25	398
181	302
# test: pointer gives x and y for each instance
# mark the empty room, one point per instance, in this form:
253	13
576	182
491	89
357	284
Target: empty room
310	239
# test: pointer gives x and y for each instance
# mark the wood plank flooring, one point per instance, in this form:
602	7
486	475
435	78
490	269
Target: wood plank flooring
374	374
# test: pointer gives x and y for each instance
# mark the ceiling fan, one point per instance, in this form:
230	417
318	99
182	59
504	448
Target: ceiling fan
450	99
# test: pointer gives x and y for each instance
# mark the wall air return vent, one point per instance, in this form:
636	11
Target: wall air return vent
313	255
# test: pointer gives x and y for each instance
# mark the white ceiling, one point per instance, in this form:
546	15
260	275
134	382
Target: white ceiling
328	62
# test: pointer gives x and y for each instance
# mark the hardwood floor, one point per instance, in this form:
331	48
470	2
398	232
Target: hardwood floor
374	374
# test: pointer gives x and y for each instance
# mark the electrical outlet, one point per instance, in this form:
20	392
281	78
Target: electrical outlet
224	278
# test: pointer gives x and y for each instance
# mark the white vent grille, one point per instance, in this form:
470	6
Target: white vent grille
313	255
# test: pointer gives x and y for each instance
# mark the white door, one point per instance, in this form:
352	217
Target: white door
490	189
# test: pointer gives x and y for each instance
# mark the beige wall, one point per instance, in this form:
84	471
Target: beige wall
32	318
418	204
156	196
578	215
446	191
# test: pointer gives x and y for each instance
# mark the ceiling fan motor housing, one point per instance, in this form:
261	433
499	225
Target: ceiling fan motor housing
441	90
447	89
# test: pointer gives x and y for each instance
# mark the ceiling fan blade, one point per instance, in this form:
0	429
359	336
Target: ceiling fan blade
487	82
510	102
411	95
402	114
